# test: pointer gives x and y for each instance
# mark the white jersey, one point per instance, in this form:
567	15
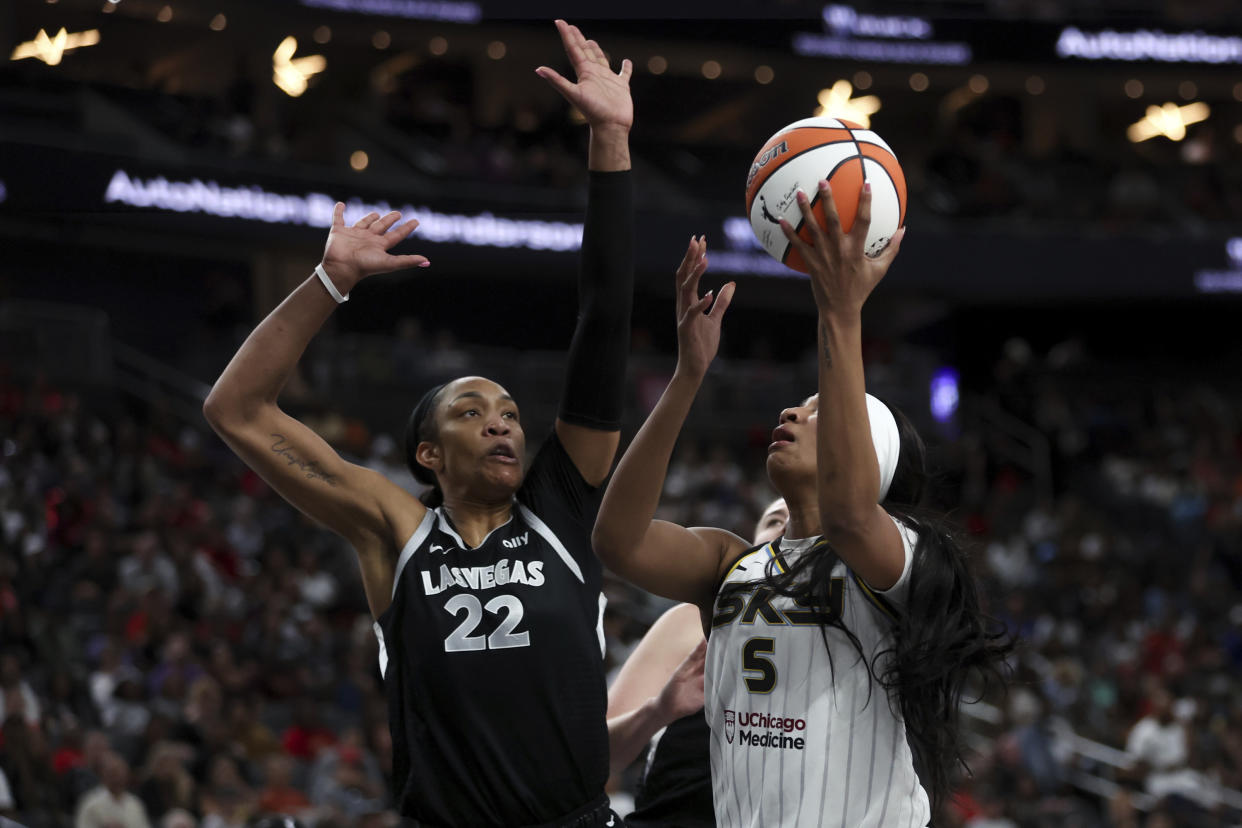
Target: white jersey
791	745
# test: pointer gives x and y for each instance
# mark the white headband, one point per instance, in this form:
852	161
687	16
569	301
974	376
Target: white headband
887	441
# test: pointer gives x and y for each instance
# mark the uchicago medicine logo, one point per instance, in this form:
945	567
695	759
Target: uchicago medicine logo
764	730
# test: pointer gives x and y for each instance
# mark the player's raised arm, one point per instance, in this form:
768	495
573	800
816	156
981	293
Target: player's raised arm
353	501
658	556
848	474
589	420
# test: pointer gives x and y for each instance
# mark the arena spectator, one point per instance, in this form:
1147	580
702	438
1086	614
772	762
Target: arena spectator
111	805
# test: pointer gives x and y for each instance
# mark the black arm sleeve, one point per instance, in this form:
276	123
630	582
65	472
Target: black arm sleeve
595	381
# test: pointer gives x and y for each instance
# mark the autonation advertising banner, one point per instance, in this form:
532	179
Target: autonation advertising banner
848	33
41	185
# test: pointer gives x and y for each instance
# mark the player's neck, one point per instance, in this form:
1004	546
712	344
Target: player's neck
803	518
474	519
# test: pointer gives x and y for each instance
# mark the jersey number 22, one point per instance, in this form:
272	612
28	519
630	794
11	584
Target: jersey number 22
503	637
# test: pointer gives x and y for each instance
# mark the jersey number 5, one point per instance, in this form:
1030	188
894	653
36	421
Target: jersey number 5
503	637
753	661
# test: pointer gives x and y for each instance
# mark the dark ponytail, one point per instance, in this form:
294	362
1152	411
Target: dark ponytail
943	643
420	427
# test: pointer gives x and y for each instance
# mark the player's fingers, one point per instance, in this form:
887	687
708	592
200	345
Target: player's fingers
704	303
403	262
562	28
593	50
366	221
687	261
832	219
385	222
862	220
695	265
576	47
557	80
890	250
685	278
794	239
722	301
338	214
627	69
400	232
809	222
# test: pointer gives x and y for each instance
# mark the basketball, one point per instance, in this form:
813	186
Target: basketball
804	153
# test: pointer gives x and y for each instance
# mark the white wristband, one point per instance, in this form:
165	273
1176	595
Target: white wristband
332	291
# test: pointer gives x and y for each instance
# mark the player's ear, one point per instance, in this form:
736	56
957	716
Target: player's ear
429	455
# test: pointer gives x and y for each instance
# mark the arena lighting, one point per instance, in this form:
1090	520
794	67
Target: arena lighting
253	203
291	74
1233	247
1223	281
836	102
809	44
944	394
844	21
1144	44
50	50
451	11
1169	120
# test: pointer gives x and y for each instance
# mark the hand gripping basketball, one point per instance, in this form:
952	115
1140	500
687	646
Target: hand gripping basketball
842	274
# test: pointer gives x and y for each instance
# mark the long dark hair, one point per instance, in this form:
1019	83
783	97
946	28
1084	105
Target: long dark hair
942	640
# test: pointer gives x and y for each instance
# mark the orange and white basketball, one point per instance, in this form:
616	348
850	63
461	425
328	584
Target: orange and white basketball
803	154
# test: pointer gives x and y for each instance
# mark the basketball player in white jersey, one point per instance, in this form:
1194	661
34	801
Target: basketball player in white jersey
837	654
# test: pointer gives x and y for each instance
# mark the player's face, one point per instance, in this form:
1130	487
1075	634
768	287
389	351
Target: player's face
772	522
481	445
791	455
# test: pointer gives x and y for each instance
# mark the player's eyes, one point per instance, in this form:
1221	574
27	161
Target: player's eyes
510	414
470	411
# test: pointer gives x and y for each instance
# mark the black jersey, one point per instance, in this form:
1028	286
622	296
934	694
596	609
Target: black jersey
493	661
676	790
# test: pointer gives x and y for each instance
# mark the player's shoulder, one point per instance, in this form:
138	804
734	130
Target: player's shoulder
403	513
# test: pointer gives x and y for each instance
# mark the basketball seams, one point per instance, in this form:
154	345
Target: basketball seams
882	160
763	175
815	200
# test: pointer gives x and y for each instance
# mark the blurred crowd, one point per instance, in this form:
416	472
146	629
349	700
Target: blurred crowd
1122	583
180	648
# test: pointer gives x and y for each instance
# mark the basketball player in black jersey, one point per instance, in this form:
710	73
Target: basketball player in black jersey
676	788
487	598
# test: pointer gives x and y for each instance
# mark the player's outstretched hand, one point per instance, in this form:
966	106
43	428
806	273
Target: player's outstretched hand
601	96
698	328
353	253
842	274
682	694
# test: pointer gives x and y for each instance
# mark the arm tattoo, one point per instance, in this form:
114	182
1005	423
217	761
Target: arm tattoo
823	341
312	468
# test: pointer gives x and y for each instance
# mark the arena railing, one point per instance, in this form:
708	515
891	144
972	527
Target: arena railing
986	716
